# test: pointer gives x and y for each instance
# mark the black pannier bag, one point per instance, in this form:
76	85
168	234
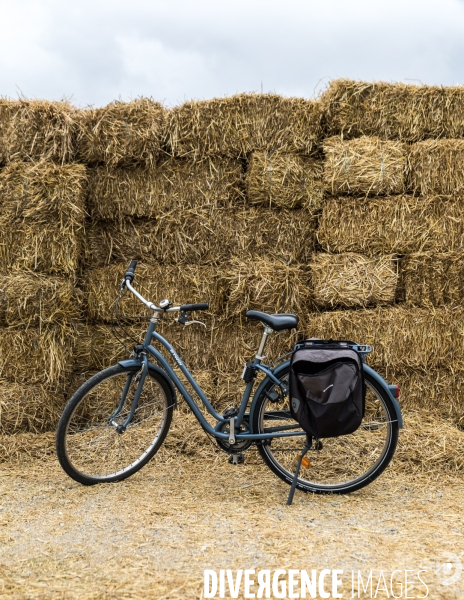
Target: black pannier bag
327	390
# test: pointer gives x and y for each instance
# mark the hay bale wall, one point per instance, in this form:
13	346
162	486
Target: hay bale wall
346	211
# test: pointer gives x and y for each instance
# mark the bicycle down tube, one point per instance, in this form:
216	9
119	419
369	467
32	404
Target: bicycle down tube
151	333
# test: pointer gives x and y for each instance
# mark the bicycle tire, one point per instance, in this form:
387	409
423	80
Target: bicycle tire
281	456
89	448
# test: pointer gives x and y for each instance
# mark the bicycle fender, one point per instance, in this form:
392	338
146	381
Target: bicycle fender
386	387
153	368
264	382
367	369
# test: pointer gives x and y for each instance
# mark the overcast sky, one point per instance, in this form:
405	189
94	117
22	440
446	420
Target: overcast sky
94	51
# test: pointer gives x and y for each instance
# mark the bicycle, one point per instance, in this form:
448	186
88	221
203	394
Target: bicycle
118	419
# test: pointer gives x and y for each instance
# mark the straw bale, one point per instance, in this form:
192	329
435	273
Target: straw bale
97	347
429	445
393	111
219	350
284	181
6	108
42	130
438	392
267	286
205	236
366	166
122	133
37	356
240	124
398	224
42	217
402	337
352	280
436	167
31	299
431	278
185	284
174	184
28	408
237	342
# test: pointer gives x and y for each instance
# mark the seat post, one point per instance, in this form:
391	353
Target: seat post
267	332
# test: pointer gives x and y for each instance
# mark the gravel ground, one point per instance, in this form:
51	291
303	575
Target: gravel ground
153	535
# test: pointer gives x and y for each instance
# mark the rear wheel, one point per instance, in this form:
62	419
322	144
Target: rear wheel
336	465
90	448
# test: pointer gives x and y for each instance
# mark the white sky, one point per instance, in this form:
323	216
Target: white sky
94	51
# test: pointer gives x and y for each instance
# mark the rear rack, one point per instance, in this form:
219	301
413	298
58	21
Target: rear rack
362	349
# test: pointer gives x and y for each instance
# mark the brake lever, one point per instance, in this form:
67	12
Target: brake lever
191	322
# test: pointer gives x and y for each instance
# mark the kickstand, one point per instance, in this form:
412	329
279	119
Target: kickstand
309	442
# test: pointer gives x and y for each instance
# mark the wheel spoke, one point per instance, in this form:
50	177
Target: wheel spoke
341	461
96	450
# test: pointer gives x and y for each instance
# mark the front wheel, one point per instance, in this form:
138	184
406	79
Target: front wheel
90	448
336	465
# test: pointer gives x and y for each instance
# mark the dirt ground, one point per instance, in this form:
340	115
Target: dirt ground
153	535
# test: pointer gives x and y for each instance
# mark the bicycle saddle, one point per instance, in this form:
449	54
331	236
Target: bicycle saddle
276	322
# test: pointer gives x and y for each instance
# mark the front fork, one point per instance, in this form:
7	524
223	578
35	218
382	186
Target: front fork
121	428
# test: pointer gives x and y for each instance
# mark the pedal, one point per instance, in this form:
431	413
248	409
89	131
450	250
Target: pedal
237	459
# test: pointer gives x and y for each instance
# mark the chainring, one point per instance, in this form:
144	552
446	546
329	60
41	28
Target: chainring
239	445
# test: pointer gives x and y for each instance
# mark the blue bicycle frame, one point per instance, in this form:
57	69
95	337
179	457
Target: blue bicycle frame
172	375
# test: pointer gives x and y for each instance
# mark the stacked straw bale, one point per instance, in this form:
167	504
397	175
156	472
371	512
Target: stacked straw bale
28	408
5	115
366	166
393	111
42	217
353	280
241	124
182	284
36	300
122	133
205	236
40	130
269	286
440	392
37	356
433	279
399	224
175	185
402	337
223	201
284	181
436	167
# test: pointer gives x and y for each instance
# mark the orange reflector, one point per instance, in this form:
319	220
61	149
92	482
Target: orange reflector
305	462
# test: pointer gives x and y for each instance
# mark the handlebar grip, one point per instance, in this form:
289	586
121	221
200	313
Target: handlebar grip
190	307
130	271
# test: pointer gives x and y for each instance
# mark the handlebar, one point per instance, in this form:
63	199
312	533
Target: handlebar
128	279
130	271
